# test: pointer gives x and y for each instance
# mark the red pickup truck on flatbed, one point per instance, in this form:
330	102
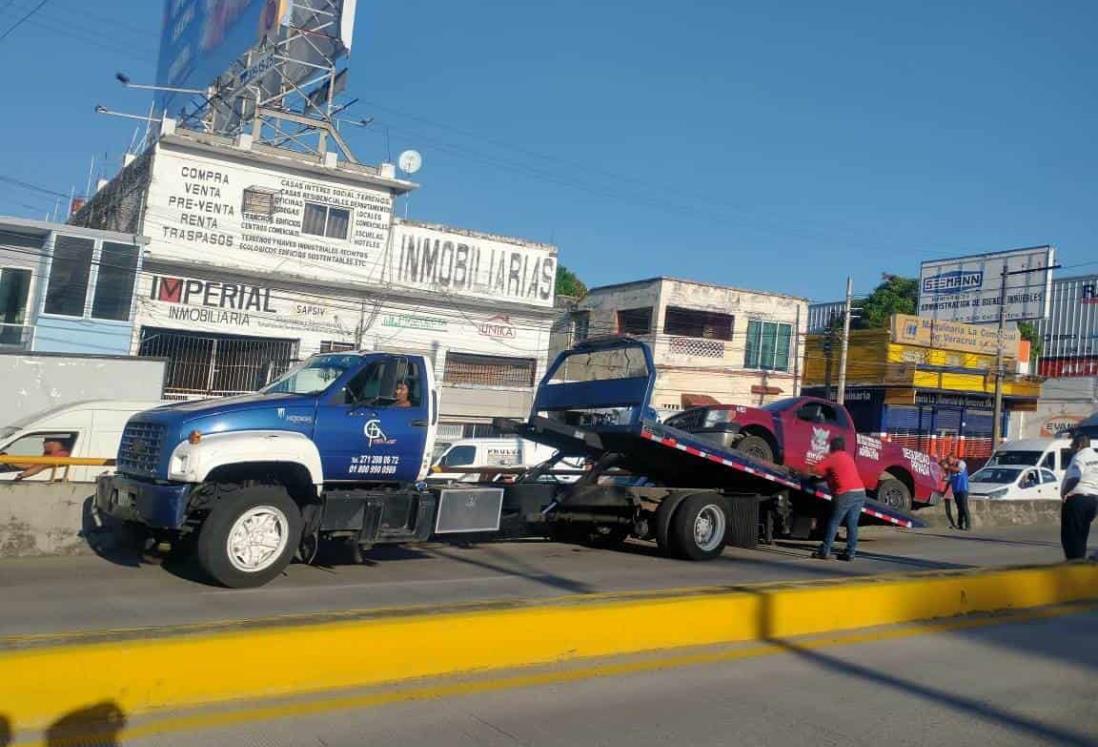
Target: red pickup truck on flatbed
796	433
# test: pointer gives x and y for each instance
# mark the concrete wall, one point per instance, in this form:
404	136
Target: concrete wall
37	382
45	519
38	519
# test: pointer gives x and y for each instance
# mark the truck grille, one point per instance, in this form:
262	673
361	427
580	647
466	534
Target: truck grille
139	452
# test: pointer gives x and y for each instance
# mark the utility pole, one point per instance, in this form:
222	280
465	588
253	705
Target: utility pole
997	418
845	342
997	426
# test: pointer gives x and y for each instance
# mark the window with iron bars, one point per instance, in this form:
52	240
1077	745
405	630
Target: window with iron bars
488	370
216	365
258	203
333	346
694	323
635	321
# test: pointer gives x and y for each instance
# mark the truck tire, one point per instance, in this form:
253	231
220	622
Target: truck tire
755	447
894	494
699	527
249	537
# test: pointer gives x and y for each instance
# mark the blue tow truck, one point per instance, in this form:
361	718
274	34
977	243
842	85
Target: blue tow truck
338	448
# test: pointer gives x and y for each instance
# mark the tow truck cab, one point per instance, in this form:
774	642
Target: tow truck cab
330	449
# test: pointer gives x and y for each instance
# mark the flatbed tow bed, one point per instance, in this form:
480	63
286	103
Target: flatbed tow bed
671	470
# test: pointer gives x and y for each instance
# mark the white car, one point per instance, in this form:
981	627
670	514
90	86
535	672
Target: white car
1014	484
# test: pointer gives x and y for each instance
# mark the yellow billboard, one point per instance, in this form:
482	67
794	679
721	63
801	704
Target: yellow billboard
936	333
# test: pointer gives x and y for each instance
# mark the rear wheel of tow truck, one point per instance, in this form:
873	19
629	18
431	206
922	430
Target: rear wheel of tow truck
755	447
249	537
699	527
894	494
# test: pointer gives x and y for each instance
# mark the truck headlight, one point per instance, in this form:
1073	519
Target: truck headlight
1001	492
717	417
181	465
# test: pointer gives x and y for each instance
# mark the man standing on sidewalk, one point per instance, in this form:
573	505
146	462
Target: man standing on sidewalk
847	498
1079	492
957	469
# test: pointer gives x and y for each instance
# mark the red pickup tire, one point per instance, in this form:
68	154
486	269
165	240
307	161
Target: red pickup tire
894	494
756	447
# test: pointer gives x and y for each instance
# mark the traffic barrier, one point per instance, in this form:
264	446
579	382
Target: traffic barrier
56	463
43	678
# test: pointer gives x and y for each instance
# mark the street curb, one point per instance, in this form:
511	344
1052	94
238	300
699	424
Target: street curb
42	683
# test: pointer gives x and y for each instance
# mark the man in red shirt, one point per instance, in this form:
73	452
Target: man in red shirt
847	498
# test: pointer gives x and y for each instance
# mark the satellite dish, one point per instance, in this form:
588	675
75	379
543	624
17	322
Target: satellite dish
410	161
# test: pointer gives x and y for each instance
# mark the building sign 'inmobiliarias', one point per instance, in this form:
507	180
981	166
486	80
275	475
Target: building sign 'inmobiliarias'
967	289
464	263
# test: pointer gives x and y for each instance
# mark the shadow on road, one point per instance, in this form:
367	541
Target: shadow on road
512	566
969	537
952	700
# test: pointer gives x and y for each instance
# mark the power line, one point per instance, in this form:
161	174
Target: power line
23	20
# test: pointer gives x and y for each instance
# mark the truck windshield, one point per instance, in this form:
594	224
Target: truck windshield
313	375
998	475
1022	458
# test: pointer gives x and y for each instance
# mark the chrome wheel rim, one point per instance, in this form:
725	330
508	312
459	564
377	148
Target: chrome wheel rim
709	528
257	539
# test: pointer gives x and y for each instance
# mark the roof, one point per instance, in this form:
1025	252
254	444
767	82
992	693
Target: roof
668	278
98	404
1031	444
42	228
223	147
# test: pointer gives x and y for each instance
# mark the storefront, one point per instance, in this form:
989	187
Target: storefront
928	385
257	260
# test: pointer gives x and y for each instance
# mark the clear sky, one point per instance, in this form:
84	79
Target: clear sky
778	146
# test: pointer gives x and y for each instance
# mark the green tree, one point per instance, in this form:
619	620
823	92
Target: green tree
895	295
568	284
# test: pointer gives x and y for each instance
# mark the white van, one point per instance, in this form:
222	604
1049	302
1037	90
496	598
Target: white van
470	453
91	428
1053	454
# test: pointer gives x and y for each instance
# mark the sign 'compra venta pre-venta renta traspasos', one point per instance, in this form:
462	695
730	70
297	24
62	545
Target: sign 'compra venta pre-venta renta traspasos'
243	217
968	289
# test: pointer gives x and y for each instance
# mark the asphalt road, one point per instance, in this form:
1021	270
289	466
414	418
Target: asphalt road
46	595
1020	683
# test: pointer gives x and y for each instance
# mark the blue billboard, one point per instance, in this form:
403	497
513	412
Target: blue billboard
201	39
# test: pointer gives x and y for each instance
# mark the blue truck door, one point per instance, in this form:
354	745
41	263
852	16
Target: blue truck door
364	433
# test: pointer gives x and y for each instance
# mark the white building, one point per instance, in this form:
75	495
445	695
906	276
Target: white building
728	344
257	257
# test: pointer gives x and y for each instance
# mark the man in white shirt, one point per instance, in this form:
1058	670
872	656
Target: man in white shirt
1079	492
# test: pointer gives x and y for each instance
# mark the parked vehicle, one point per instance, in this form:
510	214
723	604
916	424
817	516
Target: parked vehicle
1014	483
1047	453
796	433
91	428
472	453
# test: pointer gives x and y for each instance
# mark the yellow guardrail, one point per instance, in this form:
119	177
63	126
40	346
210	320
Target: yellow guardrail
56	463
